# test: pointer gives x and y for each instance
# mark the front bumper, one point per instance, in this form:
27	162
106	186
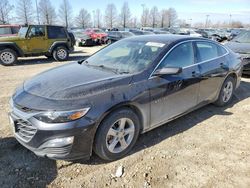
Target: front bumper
37	136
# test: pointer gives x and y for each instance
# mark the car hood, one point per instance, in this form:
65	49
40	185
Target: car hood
74	81
241	48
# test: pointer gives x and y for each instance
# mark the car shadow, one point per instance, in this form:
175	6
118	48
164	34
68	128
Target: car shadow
45	60
21	168
181	124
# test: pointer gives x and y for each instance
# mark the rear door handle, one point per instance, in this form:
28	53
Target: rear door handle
195	74
224	66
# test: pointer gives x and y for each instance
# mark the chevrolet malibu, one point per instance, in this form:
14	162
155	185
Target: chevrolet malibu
103	103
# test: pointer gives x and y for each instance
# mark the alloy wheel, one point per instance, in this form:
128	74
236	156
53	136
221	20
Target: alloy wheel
227	91
120	135
7	57
61	53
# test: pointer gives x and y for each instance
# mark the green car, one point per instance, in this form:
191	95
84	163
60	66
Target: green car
36	40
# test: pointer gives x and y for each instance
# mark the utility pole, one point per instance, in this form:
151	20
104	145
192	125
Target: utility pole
93	18
230	21
143	14
37	14
206	25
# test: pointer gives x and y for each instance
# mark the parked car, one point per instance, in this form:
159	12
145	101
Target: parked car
185	31
83	39
9	30
35	40
202	32
161	32
98	35
140	32
241	44
114	36
104	102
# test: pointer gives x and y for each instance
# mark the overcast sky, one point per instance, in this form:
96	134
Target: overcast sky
219	10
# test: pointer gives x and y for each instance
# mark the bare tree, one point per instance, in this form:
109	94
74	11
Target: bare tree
172	17
154	15
134	22
110	15
83	19
24	11
98	18
164	18
125	15
145	17
5	10
65	11
47	12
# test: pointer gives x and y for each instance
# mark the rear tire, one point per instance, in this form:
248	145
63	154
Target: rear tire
117	134
8	57
61	53
226	92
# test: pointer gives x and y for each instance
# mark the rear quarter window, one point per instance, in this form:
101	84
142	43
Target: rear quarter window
56	32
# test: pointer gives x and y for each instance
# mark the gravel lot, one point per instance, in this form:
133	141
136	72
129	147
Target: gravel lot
207	148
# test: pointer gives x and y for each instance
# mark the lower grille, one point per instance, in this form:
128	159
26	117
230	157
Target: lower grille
58	151
24	130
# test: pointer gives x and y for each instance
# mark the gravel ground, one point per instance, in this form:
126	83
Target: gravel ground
209	147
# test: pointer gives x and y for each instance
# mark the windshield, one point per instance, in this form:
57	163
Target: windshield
98	31
126	56
243	37
22	32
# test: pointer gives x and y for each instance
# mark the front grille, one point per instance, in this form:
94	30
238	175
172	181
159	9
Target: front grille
24	129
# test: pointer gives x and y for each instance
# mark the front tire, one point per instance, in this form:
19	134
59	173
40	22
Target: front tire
117	134
8	57
226	92
61	53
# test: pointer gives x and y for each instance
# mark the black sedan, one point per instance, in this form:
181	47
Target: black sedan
114	36
241	45
103	103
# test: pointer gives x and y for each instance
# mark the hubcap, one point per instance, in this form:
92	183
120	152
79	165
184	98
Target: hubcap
7	57
227	91
120	135
61	54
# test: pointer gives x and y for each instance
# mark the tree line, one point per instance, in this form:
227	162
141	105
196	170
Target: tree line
43	12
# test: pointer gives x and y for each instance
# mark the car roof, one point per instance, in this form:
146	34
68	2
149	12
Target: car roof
163	38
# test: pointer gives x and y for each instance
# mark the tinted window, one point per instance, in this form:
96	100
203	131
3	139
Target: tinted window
206	51
36	31
15	30
56	32
181	56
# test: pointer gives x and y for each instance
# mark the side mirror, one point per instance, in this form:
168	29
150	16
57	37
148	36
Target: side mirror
168	71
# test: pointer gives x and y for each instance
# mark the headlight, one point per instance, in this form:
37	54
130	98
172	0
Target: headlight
61	116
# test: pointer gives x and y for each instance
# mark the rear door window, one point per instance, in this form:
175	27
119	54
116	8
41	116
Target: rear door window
207	51
56	32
